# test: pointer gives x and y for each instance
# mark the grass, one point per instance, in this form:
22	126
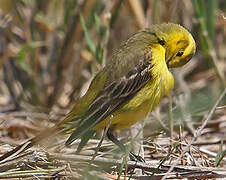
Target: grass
50	50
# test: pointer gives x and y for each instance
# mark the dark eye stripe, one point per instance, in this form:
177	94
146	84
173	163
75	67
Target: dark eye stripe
161	42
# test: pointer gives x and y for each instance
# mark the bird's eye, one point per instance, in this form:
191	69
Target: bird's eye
162	42
180	53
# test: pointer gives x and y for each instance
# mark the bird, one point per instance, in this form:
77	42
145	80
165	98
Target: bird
131	84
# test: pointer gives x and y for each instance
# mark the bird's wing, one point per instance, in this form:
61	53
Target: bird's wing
127	60
84	102
113	96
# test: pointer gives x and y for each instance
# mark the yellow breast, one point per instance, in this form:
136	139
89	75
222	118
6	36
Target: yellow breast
145	100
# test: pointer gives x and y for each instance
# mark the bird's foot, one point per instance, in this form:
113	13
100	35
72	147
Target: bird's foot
136	158
140	159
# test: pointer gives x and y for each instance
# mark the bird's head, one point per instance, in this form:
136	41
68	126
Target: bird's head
178	43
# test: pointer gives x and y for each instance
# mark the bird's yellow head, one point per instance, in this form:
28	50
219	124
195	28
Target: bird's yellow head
178	43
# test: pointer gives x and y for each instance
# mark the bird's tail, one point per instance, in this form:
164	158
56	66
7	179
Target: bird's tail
28	144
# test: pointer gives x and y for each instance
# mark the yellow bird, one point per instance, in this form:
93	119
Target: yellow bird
130	85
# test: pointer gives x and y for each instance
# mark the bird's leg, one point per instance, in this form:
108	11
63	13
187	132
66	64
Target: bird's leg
123	148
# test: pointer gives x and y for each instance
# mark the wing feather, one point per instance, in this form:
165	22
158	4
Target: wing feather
112	97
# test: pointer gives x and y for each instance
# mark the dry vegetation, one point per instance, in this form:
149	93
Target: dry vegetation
49	52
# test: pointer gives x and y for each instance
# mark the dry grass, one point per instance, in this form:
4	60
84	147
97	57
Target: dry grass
49	52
